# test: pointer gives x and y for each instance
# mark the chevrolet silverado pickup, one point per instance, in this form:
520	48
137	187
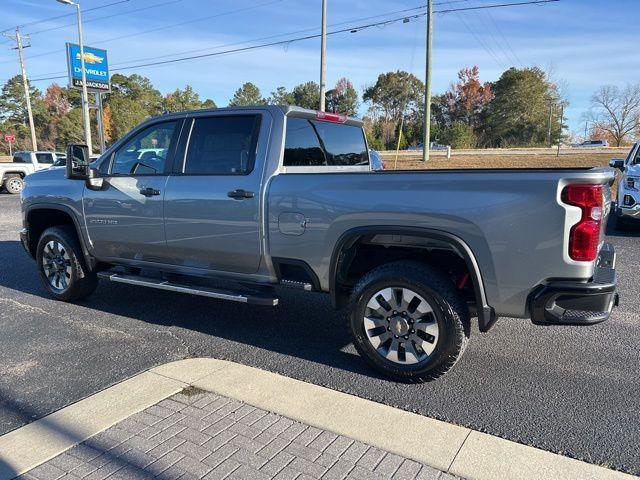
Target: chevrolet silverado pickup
235	204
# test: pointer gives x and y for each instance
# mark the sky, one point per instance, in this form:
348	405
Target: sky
584	43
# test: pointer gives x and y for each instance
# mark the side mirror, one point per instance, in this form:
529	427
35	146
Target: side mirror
617	163
77	162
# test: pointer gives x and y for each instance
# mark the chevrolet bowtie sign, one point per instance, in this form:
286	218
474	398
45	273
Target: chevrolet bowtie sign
96	68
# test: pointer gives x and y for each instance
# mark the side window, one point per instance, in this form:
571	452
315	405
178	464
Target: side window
146	153
45	158
636	160
343	144
311	143
223	145
302	145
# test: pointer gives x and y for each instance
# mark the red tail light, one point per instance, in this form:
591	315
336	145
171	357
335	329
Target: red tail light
331	117
585	235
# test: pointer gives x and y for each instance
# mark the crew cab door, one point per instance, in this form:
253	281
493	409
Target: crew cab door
212	200
124	218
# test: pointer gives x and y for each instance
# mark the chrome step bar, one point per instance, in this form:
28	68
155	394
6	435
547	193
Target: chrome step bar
234	296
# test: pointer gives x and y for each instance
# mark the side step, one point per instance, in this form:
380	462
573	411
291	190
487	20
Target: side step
307	287
242	297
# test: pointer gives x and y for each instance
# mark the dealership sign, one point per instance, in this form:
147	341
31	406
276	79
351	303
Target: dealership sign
95	65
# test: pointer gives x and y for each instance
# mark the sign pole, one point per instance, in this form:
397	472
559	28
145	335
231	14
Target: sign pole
427	85
10	150
323	54
100	123
85	95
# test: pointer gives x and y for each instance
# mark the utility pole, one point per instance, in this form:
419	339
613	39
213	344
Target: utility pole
427	84
18	39
550	117
561	128
585	130
323	53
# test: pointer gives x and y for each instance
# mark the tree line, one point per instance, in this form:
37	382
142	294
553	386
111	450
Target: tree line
521	109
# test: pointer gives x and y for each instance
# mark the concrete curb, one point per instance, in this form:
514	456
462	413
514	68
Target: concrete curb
448	447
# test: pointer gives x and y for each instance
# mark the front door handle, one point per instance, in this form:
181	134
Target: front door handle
149	192
240	194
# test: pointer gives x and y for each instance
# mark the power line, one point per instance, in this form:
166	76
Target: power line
96	19
353	29
200	19
506	40
36	22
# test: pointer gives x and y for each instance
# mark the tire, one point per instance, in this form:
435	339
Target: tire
436	339
67	277
14	184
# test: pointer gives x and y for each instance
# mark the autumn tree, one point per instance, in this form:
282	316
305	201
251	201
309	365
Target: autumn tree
343	98
248	94
616	112
468	98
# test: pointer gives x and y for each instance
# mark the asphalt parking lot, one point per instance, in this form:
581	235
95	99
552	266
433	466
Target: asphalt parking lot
565	389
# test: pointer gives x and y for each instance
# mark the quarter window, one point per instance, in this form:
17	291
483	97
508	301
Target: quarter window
146	153
222	145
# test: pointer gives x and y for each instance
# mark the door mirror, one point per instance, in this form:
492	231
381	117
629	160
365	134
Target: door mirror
77	162
617	163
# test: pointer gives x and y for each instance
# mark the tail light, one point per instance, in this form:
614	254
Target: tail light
331	117
584	237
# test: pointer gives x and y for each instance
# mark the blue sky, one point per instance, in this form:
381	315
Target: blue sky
587	43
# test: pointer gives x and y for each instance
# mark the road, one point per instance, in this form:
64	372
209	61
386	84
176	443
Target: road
569	390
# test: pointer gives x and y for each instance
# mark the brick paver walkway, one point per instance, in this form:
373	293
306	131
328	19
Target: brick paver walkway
197	434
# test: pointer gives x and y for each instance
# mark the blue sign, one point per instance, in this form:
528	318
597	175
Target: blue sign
96	68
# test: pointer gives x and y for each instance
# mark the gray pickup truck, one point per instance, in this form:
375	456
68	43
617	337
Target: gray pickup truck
267	197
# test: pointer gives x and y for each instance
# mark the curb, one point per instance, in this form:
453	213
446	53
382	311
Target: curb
447	447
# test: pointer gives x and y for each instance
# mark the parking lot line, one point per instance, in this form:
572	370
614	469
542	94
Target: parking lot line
445	446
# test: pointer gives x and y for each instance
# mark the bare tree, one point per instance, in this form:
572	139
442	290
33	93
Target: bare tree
616	111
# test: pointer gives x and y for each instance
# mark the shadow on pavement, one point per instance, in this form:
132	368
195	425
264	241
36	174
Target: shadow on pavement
305	325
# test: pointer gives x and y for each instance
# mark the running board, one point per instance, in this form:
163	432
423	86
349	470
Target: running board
242	297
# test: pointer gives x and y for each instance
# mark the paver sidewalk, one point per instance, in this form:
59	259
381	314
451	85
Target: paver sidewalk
197	434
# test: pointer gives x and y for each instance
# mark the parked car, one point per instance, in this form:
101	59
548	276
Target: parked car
375	160
24	163
267	196
591	144
432	146
627	210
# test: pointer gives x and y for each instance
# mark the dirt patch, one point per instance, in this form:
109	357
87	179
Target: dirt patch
501	160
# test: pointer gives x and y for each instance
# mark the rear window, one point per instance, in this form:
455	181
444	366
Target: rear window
223	145
311	143
20	158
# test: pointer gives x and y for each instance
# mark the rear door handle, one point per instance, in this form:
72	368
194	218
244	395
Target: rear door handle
240	194
149	192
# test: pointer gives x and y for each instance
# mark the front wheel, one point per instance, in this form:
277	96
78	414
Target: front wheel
14	184
61	265
408	321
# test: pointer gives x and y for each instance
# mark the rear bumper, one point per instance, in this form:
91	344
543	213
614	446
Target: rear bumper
561	302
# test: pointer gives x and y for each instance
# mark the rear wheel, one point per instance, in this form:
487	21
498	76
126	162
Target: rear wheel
61	265
408	321
14	184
